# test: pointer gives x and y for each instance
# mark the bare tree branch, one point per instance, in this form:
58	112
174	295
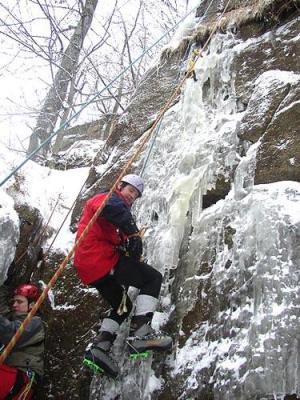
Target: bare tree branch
58	92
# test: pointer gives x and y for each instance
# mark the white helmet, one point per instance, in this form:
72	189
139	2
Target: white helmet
135	181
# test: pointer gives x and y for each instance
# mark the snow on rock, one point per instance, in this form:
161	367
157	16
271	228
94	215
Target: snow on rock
9	233
79	154
270	89
276	49
185	30
46	190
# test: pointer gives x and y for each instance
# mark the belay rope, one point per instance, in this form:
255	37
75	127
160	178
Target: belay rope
140	147
26	391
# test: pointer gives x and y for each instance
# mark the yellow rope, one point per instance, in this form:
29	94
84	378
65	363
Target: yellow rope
63	265
197	53
26	390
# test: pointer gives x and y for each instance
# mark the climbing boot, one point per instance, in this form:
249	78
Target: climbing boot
144	338
97	357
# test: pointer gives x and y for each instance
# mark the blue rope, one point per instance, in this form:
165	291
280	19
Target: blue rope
92	100
150	149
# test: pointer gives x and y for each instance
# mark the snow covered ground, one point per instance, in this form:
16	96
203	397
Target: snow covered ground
44	189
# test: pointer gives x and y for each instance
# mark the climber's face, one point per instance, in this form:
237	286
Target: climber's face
129	193
20	304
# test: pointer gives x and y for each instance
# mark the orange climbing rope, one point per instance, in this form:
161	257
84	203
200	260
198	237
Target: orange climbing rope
140	147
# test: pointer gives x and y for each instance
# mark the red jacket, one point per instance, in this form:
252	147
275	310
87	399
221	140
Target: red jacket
97	254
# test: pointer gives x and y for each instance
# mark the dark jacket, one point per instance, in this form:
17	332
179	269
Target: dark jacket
98	253
29	350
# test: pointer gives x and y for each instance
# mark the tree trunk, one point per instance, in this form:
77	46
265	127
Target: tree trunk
54	102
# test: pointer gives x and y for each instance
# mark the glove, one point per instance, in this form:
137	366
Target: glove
129	227
135	247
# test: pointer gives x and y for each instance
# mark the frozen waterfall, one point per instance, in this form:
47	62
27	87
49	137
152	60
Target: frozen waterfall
236	261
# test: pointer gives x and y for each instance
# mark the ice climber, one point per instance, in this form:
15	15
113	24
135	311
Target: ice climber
109	259
191	64
24	366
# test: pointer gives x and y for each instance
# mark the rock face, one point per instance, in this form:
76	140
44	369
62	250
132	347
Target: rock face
72	319
275	50
267	79
9	234
97	130
77	147
28	250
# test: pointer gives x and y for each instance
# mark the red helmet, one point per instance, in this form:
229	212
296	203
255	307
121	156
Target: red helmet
28	290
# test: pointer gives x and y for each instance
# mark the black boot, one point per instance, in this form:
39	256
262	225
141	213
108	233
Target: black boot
98	358
143	337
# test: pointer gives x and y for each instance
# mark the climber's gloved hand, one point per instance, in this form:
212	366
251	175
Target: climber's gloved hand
135	247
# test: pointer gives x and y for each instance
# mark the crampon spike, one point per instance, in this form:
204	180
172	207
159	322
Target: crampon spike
93	366
140	356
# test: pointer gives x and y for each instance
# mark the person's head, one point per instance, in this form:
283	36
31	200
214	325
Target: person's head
25	296
131	187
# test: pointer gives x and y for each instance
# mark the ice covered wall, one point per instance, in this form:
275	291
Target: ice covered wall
242	271
196	145
9	233
233	268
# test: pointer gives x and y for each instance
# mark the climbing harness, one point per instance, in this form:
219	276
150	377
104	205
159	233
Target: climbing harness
122	309
133	158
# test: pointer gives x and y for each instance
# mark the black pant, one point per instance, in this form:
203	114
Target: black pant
128	272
